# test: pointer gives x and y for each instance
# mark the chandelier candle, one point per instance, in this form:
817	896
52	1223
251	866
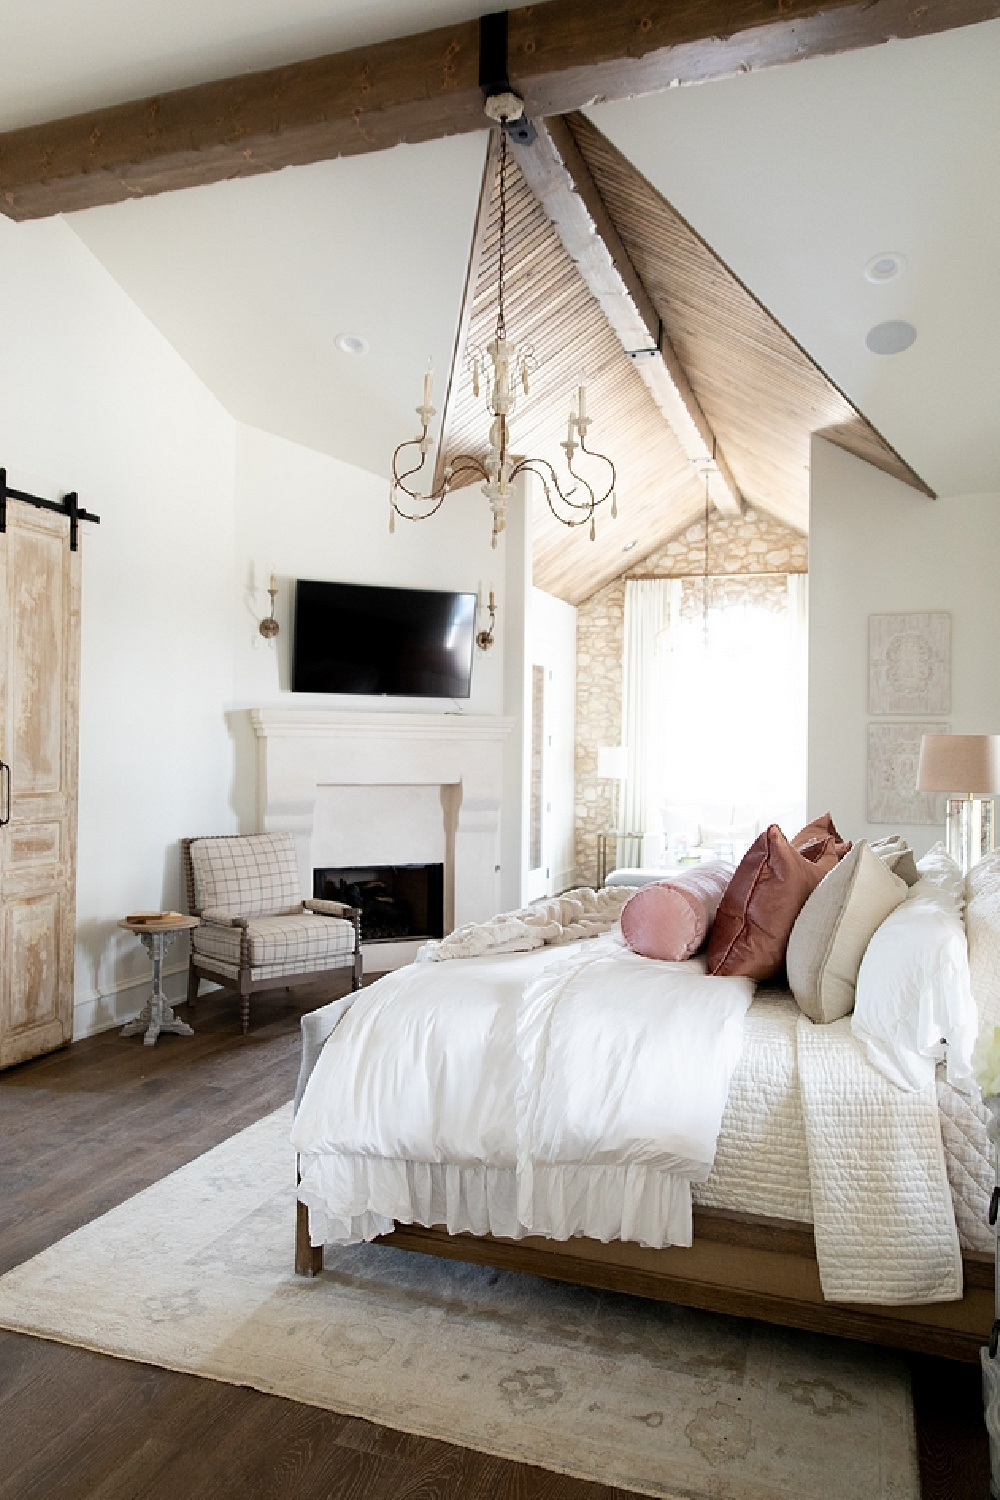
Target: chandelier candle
573	502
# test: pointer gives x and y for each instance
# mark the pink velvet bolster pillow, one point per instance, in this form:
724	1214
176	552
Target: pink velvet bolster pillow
670	920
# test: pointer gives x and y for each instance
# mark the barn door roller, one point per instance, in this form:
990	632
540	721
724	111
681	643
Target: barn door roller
69	505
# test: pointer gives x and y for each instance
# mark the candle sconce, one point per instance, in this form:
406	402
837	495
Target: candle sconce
484	640
269	627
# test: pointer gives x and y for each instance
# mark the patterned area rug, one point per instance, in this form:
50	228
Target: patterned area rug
195	1274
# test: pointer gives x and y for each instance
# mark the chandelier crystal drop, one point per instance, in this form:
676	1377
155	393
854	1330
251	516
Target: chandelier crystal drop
502	372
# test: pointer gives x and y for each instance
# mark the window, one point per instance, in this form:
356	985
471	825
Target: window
714	709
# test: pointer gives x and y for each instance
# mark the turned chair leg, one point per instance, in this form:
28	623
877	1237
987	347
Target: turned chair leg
308	1257
244	991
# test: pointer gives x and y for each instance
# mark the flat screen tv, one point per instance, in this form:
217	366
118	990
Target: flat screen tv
401	643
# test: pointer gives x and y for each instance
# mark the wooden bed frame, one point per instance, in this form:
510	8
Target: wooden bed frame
739	1264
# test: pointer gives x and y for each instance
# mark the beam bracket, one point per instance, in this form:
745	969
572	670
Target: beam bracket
493	76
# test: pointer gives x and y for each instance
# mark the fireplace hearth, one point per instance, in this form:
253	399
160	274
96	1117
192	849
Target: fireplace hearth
397	902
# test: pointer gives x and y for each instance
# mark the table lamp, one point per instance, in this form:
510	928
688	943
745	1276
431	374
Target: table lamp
967	768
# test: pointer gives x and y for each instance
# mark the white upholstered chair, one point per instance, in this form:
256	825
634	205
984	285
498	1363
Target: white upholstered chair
256	932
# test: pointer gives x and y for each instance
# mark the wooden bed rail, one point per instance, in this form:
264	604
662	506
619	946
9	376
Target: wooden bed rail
740	1264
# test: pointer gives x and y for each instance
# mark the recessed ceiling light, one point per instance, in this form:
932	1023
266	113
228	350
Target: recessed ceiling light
890	338
885	266
351	343
629	545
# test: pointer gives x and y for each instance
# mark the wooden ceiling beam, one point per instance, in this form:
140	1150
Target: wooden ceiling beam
560	179
562	55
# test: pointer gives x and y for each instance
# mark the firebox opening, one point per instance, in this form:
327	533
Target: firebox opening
396	901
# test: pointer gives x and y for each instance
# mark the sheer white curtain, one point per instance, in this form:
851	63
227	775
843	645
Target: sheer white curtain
714	705
645	621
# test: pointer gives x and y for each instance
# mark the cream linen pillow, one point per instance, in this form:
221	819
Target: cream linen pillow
897	854
834	928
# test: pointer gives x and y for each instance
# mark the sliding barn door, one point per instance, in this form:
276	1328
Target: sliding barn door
39	691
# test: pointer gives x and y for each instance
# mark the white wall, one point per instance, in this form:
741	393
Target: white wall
310	516
92	398
877	547
194	509
552	645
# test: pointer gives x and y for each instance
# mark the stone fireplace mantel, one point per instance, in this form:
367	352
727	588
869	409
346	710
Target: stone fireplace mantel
386	788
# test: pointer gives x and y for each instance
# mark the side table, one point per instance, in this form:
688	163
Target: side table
156	934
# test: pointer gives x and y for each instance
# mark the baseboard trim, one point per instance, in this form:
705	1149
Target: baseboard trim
102	1010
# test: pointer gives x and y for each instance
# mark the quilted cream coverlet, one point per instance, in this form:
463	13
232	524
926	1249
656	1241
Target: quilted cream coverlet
882	1209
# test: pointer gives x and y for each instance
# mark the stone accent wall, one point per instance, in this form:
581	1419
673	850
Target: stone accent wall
599	639
748	544
741	544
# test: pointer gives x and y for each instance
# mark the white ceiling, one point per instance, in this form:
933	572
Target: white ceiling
252	281
61	56
798	176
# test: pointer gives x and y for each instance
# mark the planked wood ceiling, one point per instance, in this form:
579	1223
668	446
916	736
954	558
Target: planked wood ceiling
761	393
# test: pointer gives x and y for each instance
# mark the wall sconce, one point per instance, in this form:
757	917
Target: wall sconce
484	639
268	627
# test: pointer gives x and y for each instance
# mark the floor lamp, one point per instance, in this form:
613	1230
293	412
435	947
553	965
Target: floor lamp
612	765
967	768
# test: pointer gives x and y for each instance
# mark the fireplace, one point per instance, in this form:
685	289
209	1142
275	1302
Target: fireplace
364	793
397	902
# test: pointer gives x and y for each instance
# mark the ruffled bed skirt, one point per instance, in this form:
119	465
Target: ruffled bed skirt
353	1198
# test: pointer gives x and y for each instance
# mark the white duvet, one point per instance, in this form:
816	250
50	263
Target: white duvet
505	1095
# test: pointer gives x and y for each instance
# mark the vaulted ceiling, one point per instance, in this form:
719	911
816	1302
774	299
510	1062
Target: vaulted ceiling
795	176
762	395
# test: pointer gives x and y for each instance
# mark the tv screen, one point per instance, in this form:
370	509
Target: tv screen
403	643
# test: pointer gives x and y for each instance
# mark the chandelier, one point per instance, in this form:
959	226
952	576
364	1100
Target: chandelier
503	371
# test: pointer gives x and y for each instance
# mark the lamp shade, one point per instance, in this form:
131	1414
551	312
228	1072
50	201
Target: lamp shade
959	763
612	763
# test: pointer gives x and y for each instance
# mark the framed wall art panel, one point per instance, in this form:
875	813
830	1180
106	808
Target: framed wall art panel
893	752
909	664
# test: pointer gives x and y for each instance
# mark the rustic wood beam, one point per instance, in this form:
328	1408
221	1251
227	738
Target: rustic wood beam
554	169
562	55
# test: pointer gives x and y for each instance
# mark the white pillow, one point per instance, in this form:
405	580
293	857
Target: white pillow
941	878
982	921
913	1004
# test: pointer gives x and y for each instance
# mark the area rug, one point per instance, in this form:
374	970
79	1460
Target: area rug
194	1274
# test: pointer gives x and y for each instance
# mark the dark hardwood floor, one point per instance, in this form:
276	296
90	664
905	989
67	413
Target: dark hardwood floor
84	1129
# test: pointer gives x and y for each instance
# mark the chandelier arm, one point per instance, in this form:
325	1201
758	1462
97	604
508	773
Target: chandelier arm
590	504
535	466
418	515
401	478
464	464
591	453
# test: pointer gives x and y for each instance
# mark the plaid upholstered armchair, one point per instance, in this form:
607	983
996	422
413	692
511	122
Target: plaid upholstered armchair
256	932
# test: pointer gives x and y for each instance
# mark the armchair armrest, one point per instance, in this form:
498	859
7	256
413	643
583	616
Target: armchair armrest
220	918
331	909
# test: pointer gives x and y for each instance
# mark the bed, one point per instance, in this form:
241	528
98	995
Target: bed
768	1218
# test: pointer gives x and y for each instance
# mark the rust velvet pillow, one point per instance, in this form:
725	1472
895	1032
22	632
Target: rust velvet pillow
772	883
820	828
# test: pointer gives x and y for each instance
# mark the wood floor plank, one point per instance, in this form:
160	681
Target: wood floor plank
87	1127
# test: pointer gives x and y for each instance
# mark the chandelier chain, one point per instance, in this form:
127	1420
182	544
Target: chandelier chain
501	266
